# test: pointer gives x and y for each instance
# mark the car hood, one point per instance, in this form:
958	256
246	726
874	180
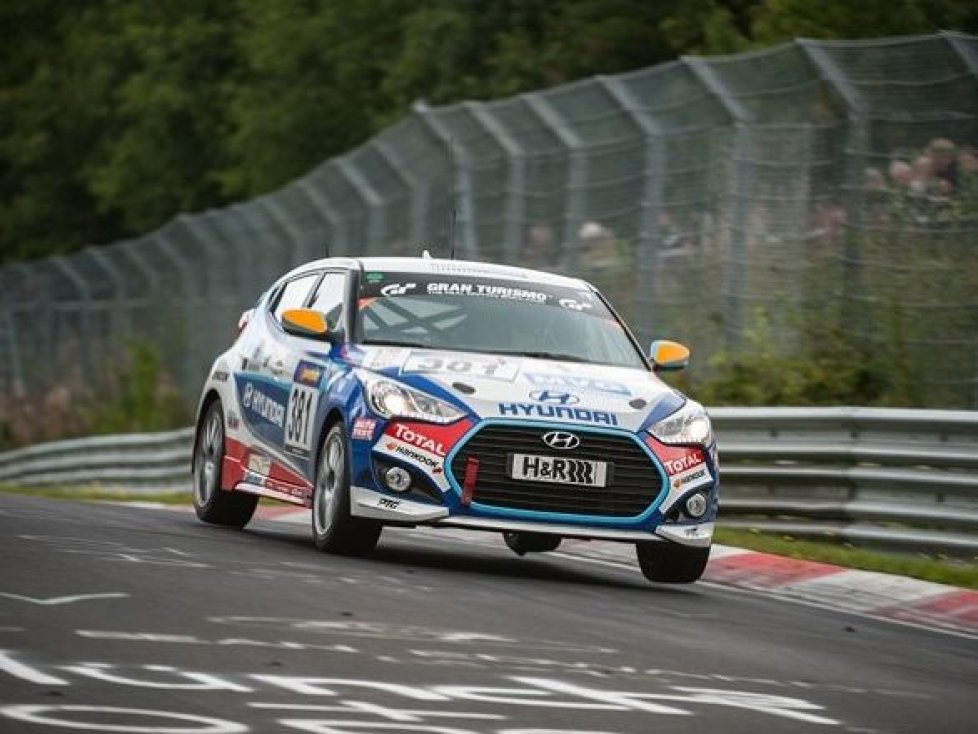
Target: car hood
528	389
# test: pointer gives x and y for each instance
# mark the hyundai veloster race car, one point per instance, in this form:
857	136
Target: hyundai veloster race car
418	391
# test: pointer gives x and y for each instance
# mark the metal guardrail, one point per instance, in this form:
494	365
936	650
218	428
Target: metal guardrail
138	462
900	479
896	478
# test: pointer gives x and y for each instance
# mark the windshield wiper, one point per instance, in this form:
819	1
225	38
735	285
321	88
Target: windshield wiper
557	356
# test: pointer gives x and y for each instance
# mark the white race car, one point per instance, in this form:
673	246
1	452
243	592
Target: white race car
418	391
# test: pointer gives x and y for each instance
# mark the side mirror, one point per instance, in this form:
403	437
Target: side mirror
306	323
668	356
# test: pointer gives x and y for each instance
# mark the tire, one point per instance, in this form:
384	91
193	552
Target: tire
214	505
334	530
671	564
523	543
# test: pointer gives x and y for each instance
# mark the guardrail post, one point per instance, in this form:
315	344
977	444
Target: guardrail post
463	202
576	176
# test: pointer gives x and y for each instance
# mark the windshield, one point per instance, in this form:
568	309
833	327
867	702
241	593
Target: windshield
454	312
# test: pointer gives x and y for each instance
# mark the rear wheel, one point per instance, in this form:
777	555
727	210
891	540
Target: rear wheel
671	564
523	543
334	529
213	504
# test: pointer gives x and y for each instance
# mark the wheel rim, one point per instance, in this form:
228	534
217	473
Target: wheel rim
328	484
210	452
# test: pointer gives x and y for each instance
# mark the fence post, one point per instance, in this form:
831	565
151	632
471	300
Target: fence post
152	278
417	187
576	176
968	56
735	283
284	221
9	332
332	217
516	178
190	293
374	202
653	195
463	203
85	294
857	142
120	314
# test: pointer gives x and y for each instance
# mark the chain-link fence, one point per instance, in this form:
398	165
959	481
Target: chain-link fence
702	196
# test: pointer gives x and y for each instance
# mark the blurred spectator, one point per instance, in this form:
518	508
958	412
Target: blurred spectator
968	162
541	247
873	179
830	219
901	173
944	155
921	175
598	245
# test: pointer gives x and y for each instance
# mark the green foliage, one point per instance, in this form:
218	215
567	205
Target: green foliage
143	397
137	394
831	365
116	115
941	570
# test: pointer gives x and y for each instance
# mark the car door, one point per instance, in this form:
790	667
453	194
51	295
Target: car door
262	385
303	369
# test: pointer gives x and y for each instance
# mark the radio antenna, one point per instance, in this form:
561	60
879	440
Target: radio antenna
451	190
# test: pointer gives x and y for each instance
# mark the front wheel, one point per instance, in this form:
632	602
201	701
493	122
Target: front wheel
334	529
671	564
212	504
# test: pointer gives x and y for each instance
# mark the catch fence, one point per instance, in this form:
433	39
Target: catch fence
712	199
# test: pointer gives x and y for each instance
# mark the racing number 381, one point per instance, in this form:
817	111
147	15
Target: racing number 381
299	415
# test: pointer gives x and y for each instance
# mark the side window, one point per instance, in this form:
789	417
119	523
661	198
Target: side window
329	298
294	294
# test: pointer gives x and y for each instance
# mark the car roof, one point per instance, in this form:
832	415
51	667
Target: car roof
442	266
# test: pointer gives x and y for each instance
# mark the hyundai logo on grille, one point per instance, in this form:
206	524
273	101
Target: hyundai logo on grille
561	440
554	397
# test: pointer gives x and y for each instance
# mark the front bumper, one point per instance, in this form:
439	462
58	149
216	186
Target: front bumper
374	505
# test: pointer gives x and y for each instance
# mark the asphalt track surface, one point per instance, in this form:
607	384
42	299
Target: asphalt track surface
125	619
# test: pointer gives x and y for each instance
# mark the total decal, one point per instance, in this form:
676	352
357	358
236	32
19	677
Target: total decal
422	445
685	466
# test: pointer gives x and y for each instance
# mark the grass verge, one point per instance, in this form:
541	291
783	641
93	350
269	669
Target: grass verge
99	494
940	569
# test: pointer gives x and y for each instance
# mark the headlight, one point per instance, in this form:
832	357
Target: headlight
688	425
392	400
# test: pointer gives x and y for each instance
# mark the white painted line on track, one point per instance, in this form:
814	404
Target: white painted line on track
25	672
58	600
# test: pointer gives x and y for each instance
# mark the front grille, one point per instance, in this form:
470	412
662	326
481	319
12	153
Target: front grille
635	481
